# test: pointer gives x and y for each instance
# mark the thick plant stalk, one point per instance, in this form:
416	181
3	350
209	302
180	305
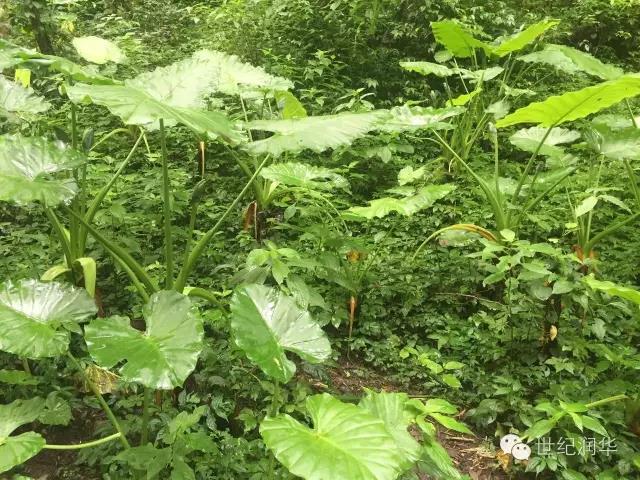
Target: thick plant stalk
97	201
146	414
204	241
166	200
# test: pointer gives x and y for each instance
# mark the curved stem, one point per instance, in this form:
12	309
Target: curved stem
62	236
604	401
205	295
632	180
204	241
609	231
101	400
97	201
119	253
107	137
79	446
166	200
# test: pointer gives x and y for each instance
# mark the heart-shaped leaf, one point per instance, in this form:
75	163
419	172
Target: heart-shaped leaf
346	443
35	317
26	168
20	448
617	144
266	323
161	357
423	198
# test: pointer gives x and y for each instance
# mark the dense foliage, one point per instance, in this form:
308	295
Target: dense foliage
257	239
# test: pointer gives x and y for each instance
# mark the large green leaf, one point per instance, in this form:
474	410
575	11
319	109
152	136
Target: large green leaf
391	409
615	144
528	139
15	100
314	133
233	77
305	176
98	50
521	39
423	198
429	68
456	39
346	443
161	357
611	288
266	323
35	317
19	448
26	168
403	118
135	107
575	105
570	60
12	55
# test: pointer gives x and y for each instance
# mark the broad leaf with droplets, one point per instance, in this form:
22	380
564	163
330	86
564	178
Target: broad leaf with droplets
164	355
36	317
267	323
346	442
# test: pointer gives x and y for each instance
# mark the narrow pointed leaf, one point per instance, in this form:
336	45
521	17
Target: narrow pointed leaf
266	323
345	443
27	166
35	317
575	105
161	357
98	50
520	40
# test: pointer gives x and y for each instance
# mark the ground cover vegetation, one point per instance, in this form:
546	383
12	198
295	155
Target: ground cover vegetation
324	240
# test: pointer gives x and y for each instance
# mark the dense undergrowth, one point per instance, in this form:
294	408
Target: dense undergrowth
369	186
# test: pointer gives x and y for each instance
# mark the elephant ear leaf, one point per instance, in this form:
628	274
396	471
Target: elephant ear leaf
36	317
266	323
304	176
346	443
390	407
521	39
164	355
575	105
17	449
18	101
27	169
570	60
317	133
456	39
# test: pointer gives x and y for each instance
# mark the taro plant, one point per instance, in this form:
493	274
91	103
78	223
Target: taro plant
368	441
38	320
511	200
